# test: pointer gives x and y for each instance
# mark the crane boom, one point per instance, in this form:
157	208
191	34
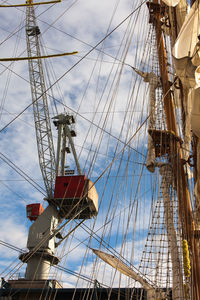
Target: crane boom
44	137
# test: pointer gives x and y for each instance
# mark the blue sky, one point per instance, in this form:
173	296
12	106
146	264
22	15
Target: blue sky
111	103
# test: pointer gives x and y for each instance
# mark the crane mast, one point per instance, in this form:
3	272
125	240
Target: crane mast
44	137
73	196
41	240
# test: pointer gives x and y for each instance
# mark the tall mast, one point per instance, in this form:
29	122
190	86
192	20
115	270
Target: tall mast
39	98
175	157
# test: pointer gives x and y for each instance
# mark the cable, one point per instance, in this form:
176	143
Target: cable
13	192
65	73
61	268
86	119
6	244
22	174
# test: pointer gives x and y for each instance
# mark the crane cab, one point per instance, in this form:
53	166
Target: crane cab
76	196
33	211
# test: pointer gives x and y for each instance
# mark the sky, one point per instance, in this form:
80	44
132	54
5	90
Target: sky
109	102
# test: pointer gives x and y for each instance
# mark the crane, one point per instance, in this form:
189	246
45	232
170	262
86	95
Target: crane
69	196
44	137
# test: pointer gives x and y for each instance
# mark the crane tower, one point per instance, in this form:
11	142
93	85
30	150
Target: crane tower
69	196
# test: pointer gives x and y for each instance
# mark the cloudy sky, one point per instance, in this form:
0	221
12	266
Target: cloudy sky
109	101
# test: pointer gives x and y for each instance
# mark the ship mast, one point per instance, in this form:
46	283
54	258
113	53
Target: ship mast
175	153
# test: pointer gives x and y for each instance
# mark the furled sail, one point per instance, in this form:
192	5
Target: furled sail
154	82
121	267
116	263
188	39
195	113
171	2
181	12
186	49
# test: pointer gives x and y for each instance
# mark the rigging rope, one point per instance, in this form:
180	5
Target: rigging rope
18	115
22	174
65	73
116	149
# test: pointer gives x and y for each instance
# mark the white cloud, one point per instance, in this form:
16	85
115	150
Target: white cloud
14	233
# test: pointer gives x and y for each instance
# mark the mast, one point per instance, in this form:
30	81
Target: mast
175	156
177	274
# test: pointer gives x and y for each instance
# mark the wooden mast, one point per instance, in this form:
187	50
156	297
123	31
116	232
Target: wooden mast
185	209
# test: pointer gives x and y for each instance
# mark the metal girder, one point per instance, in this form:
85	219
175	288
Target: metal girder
63	123
44	137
